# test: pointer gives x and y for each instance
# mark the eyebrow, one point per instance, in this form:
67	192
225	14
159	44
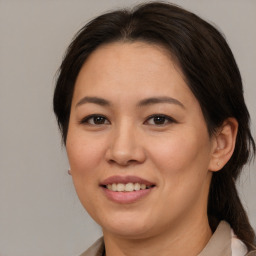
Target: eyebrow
95	100
142	103
157	100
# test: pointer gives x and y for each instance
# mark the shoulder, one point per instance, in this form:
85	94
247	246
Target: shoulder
252	253
97	249
225	242
239	248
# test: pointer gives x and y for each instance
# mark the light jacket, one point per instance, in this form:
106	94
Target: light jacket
220	244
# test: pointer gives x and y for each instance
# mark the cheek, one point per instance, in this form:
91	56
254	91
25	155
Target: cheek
182	156
171	152
85	155
182	163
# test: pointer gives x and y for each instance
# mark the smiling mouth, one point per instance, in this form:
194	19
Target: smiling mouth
127	187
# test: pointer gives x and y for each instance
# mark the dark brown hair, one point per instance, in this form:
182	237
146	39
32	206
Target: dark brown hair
210	71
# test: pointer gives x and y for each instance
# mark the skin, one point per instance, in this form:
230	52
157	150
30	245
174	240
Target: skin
177	154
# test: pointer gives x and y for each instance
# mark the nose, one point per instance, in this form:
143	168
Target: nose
125	147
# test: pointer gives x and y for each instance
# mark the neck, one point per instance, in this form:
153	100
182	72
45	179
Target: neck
186	239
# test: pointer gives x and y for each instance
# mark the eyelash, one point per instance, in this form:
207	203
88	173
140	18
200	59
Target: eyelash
87	119
165	118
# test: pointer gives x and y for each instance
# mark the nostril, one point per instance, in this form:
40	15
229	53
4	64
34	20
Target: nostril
122	162
125	154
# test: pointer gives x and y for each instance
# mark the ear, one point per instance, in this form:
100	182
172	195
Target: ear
224	141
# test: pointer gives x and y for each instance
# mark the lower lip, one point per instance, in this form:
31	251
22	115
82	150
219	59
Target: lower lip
126	197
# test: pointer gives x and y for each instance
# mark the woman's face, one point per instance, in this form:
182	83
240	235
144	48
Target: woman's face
137	142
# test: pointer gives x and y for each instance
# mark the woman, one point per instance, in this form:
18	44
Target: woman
151	109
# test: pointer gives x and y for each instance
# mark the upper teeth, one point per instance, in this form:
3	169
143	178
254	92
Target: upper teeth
121	187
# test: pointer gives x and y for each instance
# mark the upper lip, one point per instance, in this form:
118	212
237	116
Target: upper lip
125	180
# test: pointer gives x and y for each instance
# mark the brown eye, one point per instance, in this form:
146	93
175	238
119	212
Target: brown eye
95	120
98	120
159	120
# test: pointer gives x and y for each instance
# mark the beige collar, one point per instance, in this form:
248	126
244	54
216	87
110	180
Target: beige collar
218	245
220	242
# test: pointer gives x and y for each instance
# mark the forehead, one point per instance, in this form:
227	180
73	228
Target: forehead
128	53
131	68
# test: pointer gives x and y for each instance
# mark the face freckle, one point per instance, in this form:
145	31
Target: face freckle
133	115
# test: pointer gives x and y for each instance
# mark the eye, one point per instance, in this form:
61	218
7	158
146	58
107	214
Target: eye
95	120
159	120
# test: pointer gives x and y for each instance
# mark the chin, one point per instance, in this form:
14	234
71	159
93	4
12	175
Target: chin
128	232
127	226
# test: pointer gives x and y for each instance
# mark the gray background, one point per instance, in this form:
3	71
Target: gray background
40	214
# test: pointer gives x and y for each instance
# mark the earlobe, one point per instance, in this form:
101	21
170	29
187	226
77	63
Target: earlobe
224	144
